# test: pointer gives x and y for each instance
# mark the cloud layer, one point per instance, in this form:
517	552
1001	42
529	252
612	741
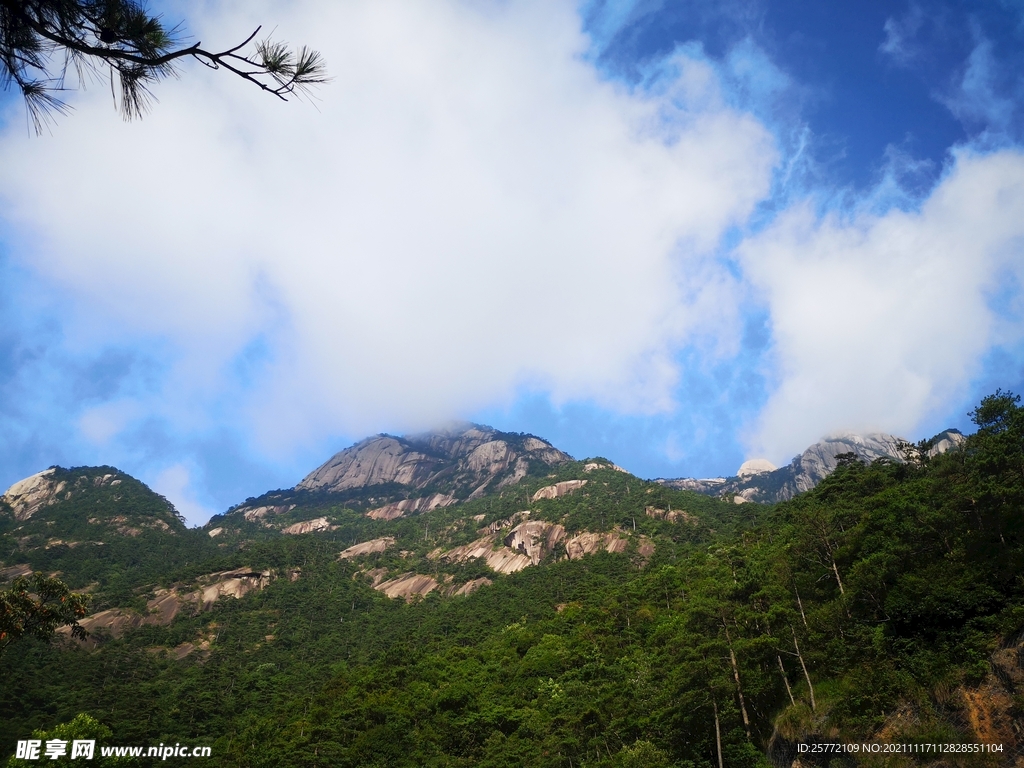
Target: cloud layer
880	321
474	218
471	208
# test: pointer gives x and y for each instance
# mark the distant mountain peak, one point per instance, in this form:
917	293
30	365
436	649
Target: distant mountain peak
758	480
83	505
460	459
753	467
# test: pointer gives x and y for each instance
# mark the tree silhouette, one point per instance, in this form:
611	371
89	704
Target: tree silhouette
42	40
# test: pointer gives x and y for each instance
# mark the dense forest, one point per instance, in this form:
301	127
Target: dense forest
885	606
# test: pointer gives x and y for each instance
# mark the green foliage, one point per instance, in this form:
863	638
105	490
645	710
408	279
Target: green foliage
885	589
84	728
36	607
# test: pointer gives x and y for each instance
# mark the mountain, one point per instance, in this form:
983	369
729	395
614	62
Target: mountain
83	504
391	477
102	530
759	481
463	461
573	615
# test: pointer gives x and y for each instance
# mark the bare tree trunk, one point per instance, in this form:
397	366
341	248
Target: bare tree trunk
718	731
839	581
800	604
736	677
785	679
810	686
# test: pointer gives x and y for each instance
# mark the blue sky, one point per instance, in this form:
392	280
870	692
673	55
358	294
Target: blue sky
678	235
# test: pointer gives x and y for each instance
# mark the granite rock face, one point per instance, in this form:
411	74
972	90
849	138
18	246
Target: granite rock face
166	603
309	526
460	462
755	467
946	441
28	496
410	506
820	460
371	547
50	507
558	490
758	481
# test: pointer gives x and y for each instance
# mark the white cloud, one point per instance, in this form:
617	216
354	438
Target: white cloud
469	209
880	321
175	484
100	423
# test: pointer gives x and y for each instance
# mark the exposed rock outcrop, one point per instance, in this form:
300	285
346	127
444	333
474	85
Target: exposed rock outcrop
28	496
309	526
49	505
709	486
820	460
468	588
408	586
464	460
236	583
757	480
987	713
167	603
591	466
946	441
535	538
526	544
672	515
529	543
558	490
257	514
755	467
587	543
498	525
499	559
411	506
131	527
11	572
367	548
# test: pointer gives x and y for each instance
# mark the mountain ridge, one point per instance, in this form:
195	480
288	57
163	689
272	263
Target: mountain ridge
481	455
580	614
755	482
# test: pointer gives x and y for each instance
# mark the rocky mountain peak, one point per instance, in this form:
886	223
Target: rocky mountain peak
753	467
759	480
461	460
28	496
65	506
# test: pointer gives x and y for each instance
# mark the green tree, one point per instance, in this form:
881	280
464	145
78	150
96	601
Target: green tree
41	40
37	608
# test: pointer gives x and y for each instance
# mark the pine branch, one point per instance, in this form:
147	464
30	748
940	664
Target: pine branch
123	36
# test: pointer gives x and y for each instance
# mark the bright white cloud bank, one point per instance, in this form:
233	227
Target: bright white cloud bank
470	208
880	321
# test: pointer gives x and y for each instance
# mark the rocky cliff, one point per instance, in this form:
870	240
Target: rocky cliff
758	480
463	461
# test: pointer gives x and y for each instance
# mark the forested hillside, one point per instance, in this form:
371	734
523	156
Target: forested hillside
639	626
